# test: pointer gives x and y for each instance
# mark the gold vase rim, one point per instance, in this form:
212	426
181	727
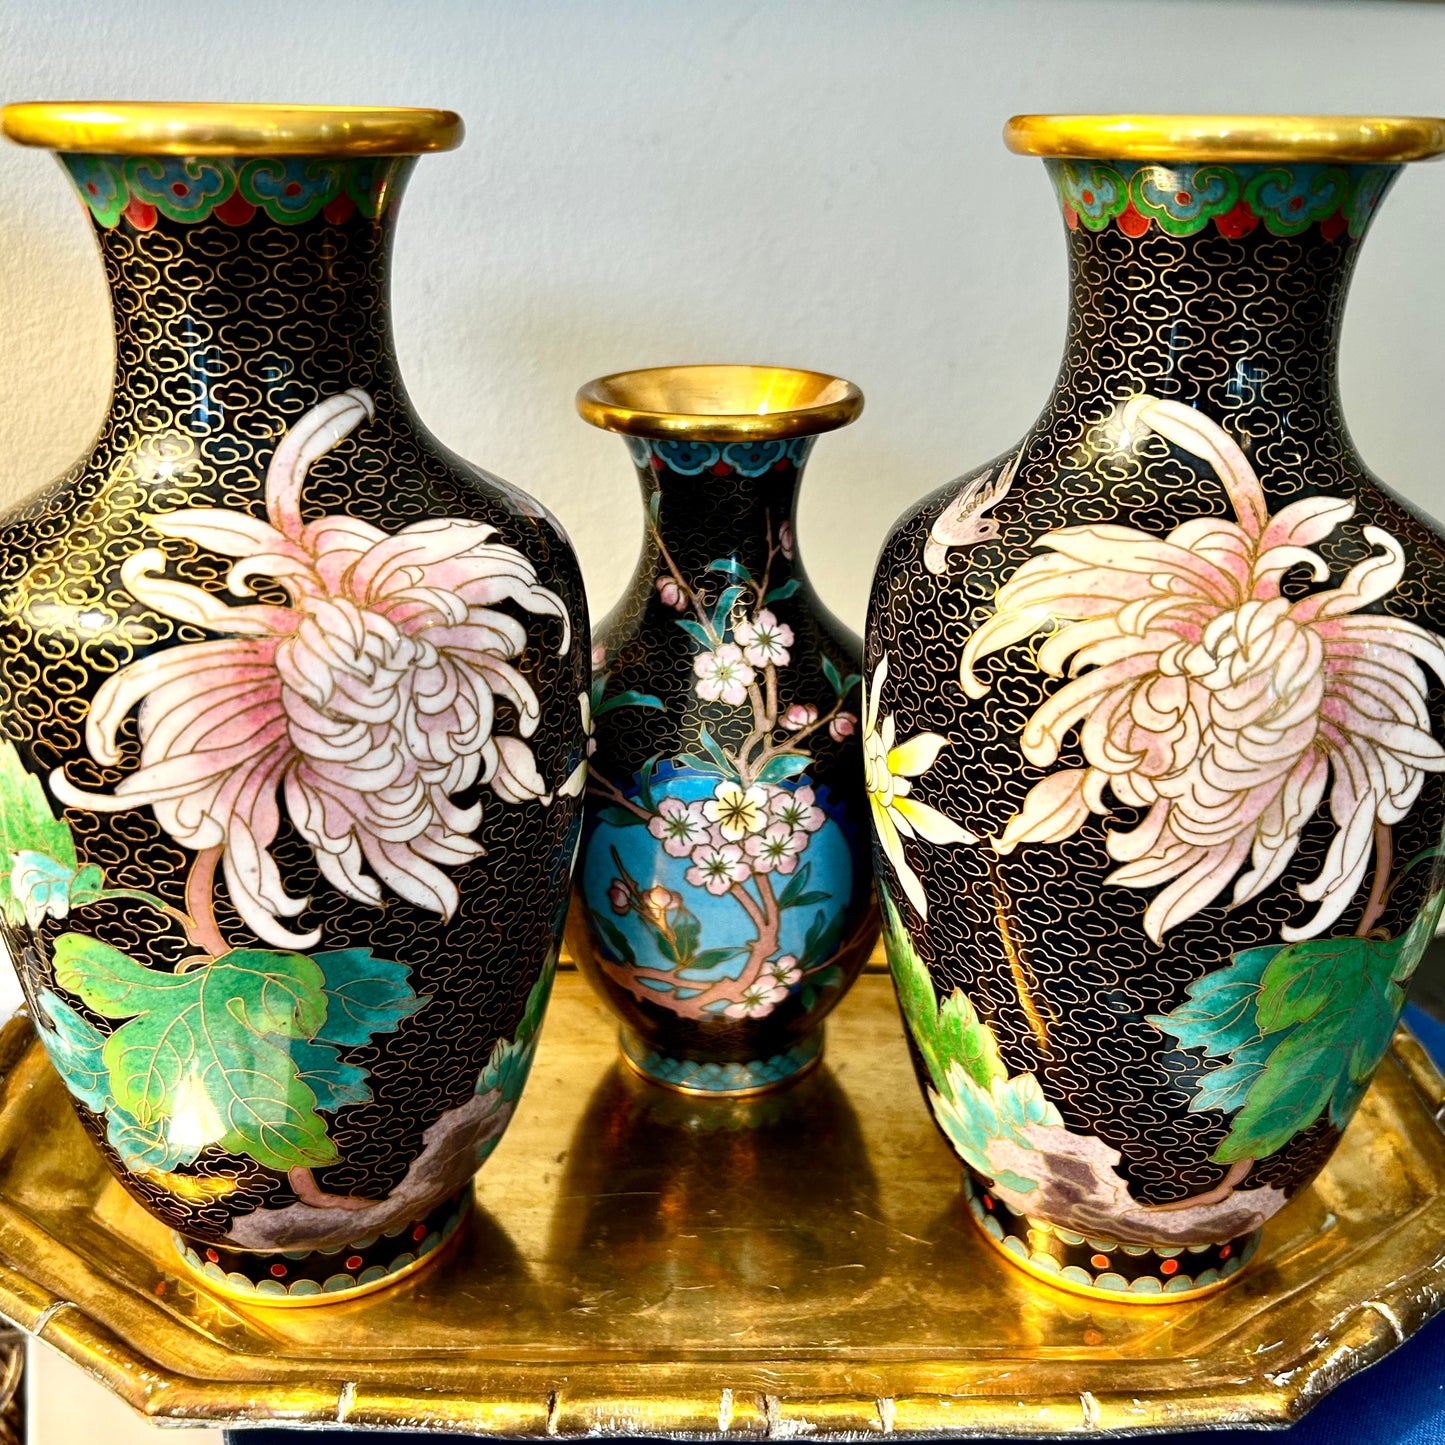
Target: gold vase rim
201	128
720	402
1383	139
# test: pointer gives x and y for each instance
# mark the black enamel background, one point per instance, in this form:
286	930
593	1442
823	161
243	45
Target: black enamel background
1246	331
225	336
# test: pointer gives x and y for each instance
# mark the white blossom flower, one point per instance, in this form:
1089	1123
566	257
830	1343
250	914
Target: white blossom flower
886	772
776	849
784	970
367	703
1226	711
678	826
736	810
764	640
757	1000
717	866
723	675
798	809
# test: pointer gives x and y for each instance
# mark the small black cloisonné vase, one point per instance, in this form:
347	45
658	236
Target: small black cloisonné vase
723	898
1152	721
291	767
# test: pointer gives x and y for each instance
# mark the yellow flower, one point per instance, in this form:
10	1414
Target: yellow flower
887	769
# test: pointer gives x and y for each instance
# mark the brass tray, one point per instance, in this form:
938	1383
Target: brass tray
800	1264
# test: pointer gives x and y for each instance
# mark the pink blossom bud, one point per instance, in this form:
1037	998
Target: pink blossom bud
785	539
671	594
842	726
617	896
599	657
798	717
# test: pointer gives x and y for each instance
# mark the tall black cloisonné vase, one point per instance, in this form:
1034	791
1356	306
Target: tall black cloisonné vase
724	897
1174	664
291	769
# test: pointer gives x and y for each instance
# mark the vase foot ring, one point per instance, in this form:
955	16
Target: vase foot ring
302	1278
723	1081
1102	1269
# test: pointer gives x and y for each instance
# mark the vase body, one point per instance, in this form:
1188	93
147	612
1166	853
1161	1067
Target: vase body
723	891
290	700
1174	665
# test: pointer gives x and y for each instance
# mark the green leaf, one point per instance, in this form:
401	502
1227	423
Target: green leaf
732	567
782	593
198	1053
595	691
26	825
666	946
616	939
785	765
627	699
688	932
86	886
536	1005
831	673
946	1034
364	995
806	900
709	958
74	1046
654	506
616	817
695	630
1304	1025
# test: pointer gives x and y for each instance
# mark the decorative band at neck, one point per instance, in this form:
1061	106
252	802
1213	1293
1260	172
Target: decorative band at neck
288	190
1182	198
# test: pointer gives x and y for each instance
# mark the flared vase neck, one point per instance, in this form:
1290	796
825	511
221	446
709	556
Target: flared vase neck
280	262
1215	285
722	502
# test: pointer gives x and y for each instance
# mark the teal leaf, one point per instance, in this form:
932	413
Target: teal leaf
722	613
795	885
720	758
74	1047
731	567
1219	1014
785	765
334	1083
364	996
807	900
835	681
688	932
783	592
616	817
644	784
627	699
142	1146
696	631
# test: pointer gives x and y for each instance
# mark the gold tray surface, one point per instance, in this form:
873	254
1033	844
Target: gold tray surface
640	1264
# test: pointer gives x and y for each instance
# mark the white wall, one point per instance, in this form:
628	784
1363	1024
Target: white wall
819	182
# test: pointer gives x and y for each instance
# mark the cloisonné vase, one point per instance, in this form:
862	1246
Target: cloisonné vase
1152	721
723	895
290	777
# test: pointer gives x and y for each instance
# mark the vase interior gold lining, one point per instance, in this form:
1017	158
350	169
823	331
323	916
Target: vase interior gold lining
719	403
1344	138
190	128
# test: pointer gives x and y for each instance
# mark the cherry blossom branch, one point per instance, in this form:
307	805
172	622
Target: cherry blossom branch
606	788
703	615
